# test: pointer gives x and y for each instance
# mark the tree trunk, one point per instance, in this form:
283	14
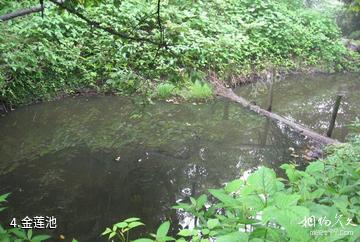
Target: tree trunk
228	93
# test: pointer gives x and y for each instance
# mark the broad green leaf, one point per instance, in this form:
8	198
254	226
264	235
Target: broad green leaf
184	206
107	230
205	231
262	181
287	215
225	198
212	223
135	224
234	185
129	220
19	233
112	234
121	225
143	240
200	202
4	197
187	232
289	218
284	200
163	229
39	238
29	233
341	202
233	237
291	172
319	210
316	166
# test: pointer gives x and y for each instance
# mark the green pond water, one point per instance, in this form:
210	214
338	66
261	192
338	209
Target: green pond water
91	162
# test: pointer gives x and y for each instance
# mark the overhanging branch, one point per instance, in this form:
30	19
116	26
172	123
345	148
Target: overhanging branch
21	12
98	25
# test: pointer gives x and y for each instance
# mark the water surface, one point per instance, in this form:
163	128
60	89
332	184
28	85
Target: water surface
91	162
309	99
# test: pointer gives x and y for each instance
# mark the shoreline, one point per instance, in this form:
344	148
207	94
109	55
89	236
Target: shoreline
235	82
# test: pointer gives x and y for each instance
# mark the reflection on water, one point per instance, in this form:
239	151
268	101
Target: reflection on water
309	100
92	162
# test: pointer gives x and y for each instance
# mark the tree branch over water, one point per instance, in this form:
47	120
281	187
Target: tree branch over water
99	25
61	4
21	12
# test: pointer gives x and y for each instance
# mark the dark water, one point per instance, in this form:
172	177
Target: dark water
91	162
309	100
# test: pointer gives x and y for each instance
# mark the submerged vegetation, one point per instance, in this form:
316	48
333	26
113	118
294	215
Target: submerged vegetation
62	53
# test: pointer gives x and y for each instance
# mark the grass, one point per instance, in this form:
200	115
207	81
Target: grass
198	90
194	91
165	90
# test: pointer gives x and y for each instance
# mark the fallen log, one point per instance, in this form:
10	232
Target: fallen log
228	93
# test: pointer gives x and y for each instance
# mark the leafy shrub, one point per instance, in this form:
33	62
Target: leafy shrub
121	230
60	53
165	90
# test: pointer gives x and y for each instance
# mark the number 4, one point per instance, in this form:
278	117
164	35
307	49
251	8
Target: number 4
13	222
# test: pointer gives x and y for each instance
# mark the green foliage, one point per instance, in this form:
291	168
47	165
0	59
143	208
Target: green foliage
121	230
267	208
352	5
199	91
61	54
2	200
17	234
165	90
355	35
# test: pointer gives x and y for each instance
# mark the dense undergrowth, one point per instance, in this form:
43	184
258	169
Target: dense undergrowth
41	58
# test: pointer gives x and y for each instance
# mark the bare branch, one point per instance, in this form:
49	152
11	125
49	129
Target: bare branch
159	21
21	12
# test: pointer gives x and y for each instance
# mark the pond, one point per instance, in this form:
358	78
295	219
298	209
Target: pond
309	100
93	161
